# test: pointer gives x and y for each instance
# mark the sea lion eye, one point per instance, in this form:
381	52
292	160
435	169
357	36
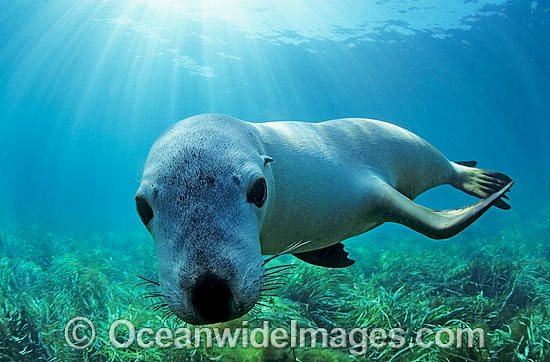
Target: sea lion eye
257	193
144	210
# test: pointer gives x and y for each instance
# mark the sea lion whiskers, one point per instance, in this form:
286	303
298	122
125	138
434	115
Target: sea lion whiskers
158	306
152	295
288	250
272	280
148	281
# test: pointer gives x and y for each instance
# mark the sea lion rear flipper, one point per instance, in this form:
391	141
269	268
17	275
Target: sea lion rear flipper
479	182
432	223
467	163
333	256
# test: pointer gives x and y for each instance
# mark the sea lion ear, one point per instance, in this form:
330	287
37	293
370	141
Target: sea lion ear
267	159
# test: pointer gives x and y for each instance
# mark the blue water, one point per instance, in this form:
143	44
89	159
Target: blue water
86	87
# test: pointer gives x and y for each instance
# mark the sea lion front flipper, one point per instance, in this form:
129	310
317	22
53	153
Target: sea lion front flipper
395	207
333	256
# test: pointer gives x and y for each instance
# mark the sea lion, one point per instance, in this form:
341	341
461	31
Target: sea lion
217	193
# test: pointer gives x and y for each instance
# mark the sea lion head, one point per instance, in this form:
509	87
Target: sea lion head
203	197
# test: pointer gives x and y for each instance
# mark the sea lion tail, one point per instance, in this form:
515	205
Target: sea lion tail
480	183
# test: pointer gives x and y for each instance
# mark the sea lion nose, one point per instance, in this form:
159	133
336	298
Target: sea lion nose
212	298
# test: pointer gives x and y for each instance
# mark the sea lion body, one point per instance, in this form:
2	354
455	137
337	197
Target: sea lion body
325	177
217	193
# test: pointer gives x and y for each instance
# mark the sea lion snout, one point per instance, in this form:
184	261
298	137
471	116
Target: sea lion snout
212	288
213	299
215	285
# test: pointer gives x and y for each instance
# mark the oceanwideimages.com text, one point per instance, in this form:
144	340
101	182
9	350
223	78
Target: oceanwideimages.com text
80	333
